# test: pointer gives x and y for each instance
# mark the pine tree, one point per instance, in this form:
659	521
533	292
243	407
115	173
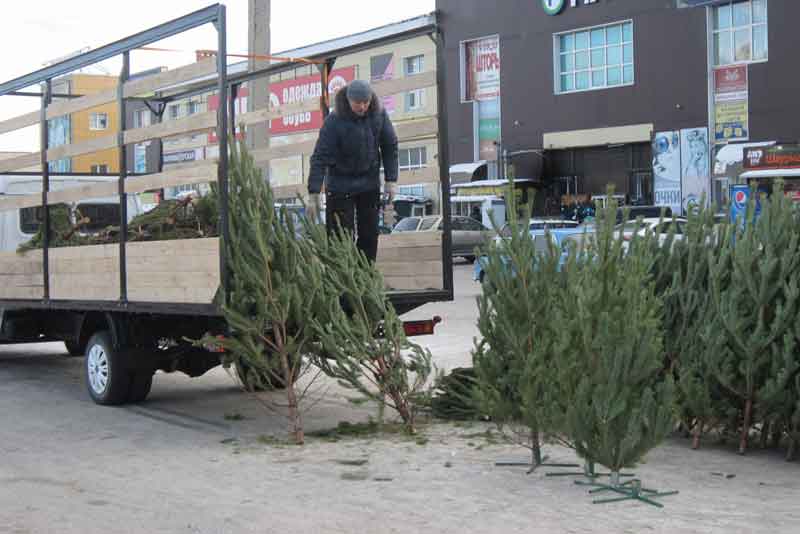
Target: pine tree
276	283
618	405
361	339
691	335
756	308
520	287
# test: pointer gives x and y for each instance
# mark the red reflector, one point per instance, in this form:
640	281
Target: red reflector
216	347
421	328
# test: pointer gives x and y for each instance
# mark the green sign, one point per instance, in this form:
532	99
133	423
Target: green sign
553	7
489	129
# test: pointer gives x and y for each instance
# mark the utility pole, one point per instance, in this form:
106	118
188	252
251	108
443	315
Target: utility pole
258	16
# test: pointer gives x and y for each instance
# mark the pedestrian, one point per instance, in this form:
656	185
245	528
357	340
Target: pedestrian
355	138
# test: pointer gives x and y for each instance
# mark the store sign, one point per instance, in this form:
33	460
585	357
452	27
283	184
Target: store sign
554	7
301	90
731	104
480	69
772	157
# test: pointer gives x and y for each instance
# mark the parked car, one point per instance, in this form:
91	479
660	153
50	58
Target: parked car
542	224
649	212
467	233
561	238
661	227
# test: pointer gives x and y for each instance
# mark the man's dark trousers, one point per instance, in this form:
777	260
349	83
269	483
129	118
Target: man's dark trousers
357	213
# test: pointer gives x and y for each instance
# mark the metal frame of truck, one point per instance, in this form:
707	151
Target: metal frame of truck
135	327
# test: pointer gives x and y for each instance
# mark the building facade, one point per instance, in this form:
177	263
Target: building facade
658	98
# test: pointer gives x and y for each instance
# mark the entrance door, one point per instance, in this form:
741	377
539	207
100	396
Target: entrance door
641	190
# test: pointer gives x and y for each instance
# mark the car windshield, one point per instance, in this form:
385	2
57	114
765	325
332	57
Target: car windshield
409	224
427	223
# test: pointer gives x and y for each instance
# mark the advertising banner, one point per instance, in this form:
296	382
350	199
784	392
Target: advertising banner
240	106
301	90
772	157
731	104
381	68
480	69
667	170
695	172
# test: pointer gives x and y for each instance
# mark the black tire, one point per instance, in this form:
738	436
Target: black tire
470	259
108	377
74	348
140	386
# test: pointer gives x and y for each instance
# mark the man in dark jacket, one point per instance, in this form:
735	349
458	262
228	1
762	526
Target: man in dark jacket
353	141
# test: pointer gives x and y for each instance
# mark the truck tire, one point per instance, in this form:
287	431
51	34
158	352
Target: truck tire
108	378
74	348
140	386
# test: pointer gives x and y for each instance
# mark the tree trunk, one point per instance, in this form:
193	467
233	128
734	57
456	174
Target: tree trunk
765	426
295	418
536	449
748	412
791	451
697	431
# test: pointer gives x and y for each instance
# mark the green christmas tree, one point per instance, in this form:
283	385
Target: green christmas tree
618	403
276	284
514	320
756	308
681	270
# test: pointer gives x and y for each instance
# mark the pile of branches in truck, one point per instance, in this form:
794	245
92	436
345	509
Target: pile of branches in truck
187	218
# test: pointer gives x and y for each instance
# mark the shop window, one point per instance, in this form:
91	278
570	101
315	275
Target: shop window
192	107
740	32
594	58
99	169
98	121
412	158
174	111
414	65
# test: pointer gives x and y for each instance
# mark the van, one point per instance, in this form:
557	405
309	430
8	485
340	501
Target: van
19	226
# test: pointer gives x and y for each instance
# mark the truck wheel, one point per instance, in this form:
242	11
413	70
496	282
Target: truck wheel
74	348
107	377
140	386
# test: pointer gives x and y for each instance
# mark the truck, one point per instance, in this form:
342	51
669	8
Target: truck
133	307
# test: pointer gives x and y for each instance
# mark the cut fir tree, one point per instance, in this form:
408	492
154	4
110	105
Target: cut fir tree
617	402
276	287
520	287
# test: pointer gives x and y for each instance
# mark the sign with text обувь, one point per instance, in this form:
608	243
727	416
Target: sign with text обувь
302	89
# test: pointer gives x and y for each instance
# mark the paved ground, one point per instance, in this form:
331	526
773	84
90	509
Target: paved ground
200	457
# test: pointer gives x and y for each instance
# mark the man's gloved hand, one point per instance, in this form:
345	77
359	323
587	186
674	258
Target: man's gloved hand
312	207
390	188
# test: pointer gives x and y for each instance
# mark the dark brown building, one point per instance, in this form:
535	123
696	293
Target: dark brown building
657	97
